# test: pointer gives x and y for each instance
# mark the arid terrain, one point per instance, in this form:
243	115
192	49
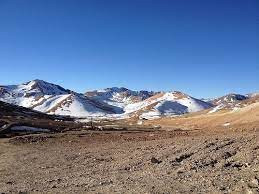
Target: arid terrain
131	162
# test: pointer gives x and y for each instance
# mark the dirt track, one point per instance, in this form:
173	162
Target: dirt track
121	162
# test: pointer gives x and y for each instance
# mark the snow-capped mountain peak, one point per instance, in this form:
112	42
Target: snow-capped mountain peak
115	101
42	87
229	99
116	89
33	88
118	96
167	104
53	99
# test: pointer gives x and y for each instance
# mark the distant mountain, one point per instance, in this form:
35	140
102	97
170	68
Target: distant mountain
53	99
207	99
118	97
166	104
115	102
146	104
33	88
229	101
252	94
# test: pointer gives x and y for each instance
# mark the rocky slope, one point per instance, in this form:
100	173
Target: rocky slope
16	120
230	101
112	102
119	97
149	105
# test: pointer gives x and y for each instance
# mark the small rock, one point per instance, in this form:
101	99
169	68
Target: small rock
248	191
180	170
127	168
155	161
254	183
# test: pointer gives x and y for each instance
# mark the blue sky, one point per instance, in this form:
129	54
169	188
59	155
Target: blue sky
204	48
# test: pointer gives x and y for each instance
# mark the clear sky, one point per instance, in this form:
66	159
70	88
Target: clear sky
202	47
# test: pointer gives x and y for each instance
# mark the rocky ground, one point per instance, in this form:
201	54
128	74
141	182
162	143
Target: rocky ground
131	162
12	116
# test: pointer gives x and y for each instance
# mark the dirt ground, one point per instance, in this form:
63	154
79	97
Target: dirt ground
241	119
198	161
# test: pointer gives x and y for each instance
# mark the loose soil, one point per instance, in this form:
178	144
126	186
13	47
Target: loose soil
136	161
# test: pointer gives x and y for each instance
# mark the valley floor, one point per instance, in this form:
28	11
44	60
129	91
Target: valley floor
131	162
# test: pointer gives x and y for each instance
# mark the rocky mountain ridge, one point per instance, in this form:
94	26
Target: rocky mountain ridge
115	102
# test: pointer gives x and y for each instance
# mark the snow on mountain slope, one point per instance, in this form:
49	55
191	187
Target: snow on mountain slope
230	101
166	104
30	93
252	94
114	102
50	102
119	97
111	102
80	106
53	99
35	87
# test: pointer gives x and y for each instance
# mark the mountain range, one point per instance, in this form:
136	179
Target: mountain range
112	102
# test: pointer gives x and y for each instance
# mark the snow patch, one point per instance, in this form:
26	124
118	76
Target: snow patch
226	124
215	109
